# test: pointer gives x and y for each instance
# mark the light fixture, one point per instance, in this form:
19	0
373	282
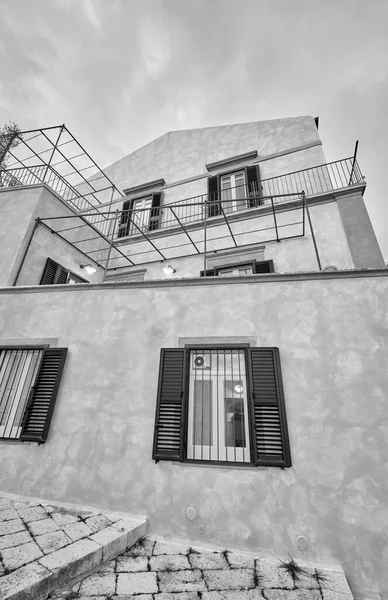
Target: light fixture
169	270
238	388
88	268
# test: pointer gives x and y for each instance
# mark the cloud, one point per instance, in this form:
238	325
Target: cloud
121	73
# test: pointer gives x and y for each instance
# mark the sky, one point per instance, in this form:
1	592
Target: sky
120	73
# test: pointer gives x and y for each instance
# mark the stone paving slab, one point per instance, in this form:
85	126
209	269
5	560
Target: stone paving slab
43	547
156	570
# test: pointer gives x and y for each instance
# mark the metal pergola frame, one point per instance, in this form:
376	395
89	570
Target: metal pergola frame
55	158
113	245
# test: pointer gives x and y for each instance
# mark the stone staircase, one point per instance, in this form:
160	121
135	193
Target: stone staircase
45	547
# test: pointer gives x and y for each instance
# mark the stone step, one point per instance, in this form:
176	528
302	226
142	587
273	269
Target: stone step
53	570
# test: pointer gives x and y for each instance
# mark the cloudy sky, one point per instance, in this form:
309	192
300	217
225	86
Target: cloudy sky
119	73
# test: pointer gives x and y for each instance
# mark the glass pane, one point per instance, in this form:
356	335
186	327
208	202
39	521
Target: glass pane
202	426
245	271
234	414
225	272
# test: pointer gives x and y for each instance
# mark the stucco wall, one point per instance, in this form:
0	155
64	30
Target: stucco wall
288	255
16	209
180	155
332	335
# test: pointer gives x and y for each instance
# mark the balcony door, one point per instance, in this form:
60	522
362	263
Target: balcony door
233	192
140	215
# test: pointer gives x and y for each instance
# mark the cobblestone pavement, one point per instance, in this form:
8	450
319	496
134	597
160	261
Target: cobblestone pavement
155	570
43	546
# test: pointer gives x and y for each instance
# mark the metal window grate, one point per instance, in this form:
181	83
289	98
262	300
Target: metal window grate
218	413
18	370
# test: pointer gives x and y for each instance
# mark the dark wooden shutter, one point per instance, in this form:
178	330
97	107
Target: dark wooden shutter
40	405
125	220
169	419
254	187
54	273
155	211
269	433
209	273
49	272
264	266
213	195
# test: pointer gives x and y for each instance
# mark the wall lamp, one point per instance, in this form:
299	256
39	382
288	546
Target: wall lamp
88	268
169	270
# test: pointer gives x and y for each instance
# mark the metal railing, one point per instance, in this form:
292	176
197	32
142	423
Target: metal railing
243	198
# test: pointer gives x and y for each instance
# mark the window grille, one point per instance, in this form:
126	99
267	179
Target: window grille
18	371
218	428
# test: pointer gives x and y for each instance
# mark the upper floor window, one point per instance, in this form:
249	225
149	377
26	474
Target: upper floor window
234	191
140	214
54	273
247	268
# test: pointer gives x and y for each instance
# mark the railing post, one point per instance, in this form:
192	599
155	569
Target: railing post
205	238
52	153
354	163
274	218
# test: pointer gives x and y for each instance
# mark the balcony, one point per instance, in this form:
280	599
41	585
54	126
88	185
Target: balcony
115	238
238	202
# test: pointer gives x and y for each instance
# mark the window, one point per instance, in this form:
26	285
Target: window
140	214
234	191
222	405
29	381
250	268
54	273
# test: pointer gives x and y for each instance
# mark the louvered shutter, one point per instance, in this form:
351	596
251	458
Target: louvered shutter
268	419
169	419
264	266
155	211
254	187
123	229
54	273
49	272
214	205
209	273
40	405
61	276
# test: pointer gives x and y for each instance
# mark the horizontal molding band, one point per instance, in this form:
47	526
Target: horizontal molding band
199	281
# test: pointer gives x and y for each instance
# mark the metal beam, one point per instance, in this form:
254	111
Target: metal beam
184	229
227	222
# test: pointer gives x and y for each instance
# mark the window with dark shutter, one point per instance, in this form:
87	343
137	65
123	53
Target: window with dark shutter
254	187
55	274
43	394
221	405
168	438
257	267
269	433
213	196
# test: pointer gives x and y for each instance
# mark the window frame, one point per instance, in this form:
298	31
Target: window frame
250	263
214	196
57	275
185	433
126	227
42	393
266	408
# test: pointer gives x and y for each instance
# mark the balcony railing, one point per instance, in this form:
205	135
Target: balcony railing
243	198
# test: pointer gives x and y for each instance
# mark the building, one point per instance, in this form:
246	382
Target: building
220	364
